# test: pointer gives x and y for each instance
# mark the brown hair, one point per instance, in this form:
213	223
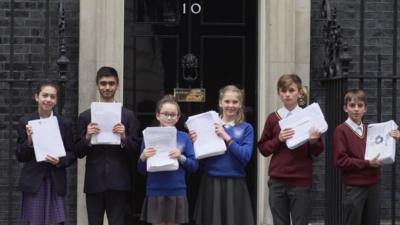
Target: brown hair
45	84
240	117
288	79
167	99
356	94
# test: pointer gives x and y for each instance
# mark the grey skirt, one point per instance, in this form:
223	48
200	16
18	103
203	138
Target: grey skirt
165	209
223	201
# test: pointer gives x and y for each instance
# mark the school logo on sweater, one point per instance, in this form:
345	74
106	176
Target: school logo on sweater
237	132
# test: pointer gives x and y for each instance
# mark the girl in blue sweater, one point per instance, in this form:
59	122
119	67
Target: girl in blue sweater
223	197
166	202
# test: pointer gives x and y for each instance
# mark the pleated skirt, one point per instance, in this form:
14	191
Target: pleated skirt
44	206
165	209
223	201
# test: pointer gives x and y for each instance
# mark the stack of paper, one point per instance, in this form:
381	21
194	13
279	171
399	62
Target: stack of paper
379	142
46	138
163	140
208	143
106	115
301	122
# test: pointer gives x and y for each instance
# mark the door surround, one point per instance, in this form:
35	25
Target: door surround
284	47
283	43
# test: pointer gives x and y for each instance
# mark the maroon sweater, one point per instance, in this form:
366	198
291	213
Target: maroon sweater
293	167
348	154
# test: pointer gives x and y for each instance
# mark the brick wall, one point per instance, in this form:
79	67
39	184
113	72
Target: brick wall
369	31
30	38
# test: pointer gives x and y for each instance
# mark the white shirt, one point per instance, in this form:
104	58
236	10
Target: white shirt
228	124
51	114
359	129
283	112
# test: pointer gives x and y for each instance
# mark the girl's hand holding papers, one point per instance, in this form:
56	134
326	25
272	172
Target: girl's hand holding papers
193	135
147	153
175	154
220	131
29	133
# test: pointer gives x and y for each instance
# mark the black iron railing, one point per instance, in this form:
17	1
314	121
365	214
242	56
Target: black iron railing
336	80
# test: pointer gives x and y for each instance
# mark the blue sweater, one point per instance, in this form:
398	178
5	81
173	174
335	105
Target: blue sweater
171	183
232	163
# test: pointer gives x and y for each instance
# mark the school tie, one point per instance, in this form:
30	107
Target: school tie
359	130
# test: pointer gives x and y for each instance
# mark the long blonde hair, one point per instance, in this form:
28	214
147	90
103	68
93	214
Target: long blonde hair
240	116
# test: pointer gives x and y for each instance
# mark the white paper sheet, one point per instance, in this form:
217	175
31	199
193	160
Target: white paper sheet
379	142
163	140
106	115
46	138
208	143
301	122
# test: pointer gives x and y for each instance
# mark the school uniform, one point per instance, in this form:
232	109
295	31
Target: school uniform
223	197
43	185
361	182
166	190
107	176
290	172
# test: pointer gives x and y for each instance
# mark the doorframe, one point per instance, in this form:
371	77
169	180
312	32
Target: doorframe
284	28
283	47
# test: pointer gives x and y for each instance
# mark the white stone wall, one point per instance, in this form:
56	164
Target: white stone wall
101	43
284	47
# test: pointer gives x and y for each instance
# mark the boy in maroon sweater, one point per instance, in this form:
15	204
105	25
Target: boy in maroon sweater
290	171
360	177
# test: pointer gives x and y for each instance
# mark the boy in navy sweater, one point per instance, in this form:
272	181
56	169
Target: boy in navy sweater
290	171
360	177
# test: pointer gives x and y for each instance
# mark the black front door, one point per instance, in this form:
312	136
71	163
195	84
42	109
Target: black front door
221	36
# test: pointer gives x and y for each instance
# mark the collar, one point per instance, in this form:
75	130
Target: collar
283	111
115	101
354	126
51	114
228	124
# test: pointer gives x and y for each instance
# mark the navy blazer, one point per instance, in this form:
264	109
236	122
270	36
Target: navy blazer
108	167
33	172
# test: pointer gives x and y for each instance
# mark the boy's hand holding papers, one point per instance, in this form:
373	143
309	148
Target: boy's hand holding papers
303	126
381	145
106	127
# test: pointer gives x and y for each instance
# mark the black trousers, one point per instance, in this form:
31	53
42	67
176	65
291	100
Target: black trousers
289	203
112	202
361	205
